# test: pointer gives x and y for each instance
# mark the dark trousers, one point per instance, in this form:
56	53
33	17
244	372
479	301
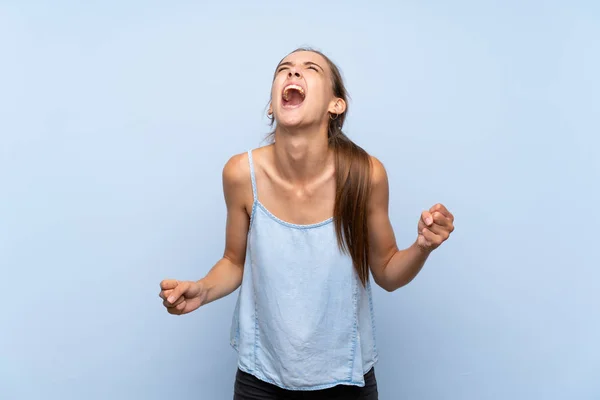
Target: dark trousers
248	387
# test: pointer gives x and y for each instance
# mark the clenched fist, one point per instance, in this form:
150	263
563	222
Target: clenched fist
182	297
435	226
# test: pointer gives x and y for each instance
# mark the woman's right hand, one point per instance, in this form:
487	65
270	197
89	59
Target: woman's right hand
182	297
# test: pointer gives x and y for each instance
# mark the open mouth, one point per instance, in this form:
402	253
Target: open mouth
293	96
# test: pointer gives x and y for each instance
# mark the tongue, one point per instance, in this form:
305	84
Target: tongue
294	98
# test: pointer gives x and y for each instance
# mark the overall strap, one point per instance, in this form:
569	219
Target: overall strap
252	176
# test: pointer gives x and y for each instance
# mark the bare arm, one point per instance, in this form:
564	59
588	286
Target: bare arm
226	275
182	297
393	268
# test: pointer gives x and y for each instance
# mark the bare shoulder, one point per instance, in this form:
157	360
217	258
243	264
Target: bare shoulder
379	177
236	171
237	184
237	168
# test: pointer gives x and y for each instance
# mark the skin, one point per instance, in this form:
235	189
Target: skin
296	182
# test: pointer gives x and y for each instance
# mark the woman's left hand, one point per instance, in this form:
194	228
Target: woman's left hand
435	227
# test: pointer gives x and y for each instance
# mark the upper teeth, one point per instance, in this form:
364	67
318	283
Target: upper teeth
292	87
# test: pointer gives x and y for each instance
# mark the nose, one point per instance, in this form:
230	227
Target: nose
294	73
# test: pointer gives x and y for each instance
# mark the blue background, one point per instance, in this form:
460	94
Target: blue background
116	119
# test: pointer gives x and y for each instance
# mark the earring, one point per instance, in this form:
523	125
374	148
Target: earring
336	116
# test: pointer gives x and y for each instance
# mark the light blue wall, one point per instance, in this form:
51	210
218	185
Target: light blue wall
116	119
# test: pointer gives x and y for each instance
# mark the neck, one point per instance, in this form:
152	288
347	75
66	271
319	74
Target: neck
301	154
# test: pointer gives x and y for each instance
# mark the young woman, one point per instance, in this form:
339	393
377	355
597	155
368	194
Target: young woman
307	225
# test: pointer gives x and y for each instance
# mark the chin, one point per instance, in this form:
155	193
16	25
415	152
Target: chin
290	118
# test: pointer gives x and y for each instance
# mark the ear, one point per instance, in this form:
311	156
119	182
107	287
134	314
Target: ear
337	106
270	110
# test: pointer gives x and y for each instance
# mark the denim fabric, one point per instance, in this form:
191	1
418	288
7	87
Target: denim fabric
303	320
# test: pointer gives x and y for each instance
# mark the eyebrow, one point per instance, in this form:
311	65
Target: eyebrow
289	64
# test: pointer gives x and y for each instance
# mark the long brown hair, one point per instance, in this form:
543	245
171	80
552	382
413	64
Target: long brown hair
352	179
